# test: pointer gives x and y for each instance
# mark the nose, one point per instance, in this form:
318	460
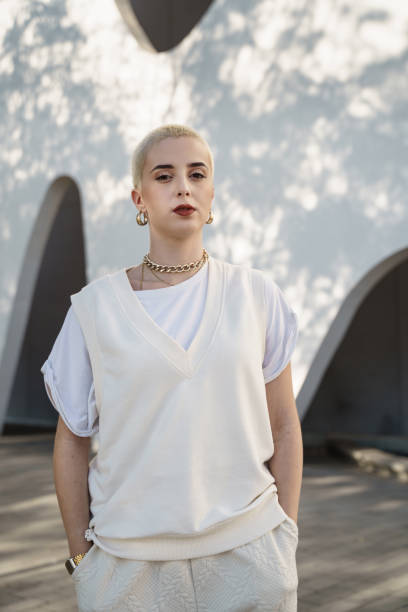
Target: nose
182	187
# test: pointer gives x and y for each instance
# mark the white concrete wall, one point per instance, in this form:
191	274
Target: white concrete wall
303	103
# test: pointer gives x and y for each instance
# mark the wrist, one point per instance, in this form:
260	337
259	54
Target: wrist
81	550
75	559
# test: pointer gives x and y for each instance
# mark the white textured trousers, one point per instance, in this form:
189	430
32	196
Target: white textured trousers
258	576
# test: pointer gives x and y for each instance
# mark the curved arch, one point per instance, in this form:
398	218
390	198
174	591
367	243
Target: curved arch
341	325
53	268
157	35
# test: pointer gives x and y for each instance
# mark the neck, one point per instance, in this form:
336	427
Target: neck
180	254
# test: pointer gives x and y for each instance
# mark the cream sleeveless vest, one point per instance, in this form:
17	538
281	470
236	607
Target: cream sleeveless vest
184	435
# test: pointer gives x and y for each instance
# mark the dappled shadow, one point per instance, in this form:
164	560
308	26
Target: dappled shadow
308	115
55	121
303	105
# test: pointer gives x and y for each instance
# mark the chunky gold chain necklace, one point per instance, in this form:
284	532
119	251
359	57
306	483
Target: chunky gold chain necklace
180	268
154	274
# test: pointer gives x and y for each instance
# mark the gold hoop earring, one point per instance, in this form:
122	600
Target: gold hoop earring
139	218
210	218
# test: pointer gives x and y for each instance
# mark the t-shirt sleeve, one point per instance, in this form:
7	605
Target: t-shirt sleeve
281	333
67	372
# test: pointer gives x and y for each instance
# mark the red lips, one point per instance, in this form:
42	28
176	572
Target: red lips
184	206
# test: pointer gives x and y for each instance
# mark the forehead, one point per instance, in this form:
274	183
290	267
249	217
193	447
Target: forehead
182	150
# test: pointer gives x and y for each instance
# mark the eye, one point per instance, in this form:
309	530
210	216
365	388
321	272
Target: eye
162	177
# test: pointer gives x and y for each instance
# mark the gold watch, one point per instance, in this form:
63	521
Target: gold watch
72	562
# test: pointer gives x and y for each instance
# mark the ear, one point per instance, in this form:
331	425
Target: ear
136	197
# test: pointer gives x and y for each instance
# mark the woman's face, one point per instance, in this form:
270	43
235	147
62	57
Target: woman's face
178	183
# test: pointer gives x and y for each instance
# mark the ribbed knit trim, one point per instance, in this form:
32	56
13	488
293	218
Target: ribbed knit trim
80	305
226	535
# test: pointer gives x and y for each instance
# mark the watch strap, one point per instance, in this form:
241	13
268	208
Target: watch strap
73	562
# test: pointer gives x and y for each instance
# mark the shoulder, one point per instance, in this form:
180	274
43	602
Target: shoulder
249	279
239	271
248	272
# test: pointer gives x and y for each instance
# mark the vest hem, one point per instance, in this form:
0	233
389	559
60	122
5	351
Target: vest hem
244	529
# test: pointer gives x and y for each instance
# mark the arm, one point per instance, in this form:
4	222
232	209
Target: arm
71	464
286	464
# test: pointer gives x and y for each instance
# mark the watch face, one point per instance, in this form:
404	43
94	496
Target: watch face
70	565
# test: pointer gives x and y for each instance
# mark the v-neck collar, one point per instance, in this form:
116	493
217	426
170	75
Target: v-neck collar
188	360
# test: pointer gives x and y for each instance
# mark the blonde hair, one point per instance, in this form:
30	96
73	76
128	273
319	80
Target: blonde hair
171	130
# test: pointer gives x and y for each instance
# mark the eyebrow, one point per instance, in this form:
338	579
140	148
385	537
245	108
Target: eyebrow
192	165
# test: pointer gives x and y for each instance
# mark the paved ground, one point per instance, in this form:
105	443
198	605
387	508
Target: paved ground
353	535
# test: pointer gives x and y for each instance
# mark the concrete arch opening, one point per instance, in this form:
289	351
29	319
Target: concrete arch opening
363	392
160	25
53	268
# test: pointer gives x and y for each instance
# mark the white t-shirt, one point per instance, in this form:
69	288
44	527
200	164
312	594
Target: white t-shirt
178	310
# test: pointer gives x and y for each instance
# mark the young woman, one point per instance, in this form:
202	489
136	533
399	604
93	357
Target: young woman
181	365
